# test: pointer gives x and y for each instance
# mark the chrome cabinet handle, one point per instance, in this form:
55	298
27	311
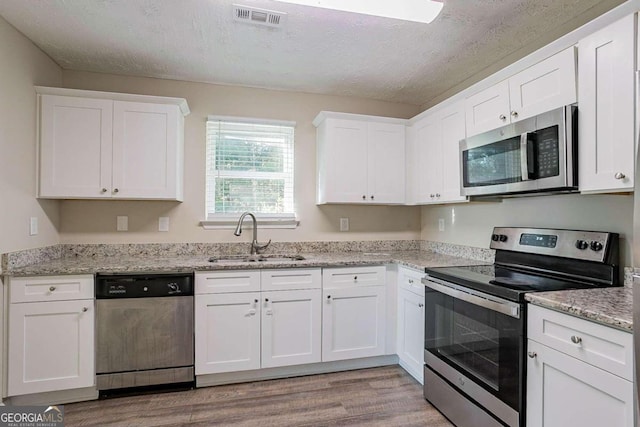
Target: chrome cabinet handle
85	309
575	339
514	114
52	288
619	175
532	354
503	117
104	190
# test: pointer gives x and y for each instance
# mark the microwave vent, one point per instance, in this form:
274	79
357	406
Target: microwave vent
253	15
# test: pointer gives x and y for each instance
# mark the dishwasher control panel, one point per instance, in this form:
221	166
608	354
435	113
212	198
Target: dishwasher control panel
143	285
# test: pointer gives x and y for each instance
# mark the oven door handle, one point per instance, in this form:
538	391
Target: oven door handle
476	298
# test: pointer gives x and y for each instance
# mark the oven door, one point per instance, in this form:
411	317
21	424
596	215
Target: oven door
476	343
532	155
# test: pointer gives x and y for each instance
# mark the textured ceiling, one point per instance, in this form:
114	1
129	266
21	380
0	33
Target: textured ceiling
317	51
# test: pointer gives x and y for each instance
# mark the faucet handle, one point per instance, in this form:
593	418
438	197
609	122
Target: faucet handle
258	247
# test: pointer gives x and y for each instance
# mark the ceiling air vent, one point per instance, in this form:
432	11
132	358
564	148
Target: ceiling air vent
254	15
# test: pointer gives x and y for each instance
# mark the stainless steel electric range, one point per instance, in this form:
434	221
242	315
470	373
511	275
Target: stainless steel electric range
475	318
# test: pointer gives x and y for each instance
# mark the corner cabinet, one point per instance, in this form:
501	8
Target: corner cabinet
51	334
606	112
360	159
434	156
549	84
99	145
579	373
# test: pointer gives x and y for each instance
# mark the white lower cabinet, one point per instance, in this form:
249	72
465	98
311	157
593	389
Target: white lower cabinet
51	342
237	331
353	313
579	373
410	331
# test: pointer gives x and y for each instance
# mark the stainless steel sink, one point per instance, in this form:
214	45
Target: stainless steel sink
257	258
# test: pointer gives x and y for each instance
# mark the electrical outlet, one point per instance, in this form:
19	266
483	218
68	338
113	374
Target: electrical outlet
344	224
163	223
122	223
441	224
33	226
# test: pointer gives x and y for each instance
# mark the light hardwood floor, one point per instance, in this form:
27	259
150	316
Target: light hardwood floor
385	396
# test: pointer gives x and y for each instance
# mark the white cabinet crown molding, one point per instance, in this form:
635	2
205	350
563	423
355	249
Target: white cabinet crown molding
116	96
323	115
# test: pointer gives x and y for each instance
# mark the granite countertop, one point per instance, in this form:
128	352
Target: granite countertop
611	306
136	264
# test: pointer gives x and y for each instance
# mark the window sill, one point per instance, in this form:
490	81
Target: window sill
230	222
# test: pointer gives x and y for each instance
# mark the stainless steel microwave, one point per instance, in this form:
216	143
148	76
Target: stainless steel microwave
535	155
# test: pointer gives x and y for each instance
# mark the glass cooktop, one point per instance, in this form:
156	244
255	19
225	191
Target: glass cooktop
502	281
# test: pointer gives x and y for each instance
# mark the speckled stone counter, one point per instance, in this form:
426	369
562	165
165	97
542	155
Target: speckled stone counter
134	264
611	307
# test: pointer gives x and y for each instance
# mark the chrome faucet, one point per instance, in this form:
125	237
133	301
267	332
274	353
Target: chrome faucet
255	246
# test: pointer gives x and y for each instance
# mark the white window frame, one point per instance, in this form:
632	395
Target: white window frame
229	221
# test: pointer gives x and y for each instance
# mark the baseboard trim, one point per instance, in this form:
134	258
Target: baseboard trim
54	397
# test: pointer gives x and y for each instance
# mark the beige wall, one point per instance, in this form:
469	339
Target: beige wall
471	224
95	221
23	65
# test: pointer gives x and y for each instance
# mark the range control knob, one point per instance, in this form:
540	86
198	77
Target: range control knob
582	245
596	246
173	287
503	237
495	237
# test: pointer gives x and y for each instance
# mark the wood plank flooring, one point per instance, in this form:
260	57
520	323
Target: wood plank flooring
385	396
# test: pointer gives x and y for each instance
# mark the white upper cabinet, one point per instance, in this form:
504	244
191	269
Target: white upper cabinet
360	159
542	87
97	145
606	112
436	164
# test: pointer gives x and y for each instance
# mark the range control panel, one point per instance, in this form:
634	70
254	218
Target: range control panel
577	244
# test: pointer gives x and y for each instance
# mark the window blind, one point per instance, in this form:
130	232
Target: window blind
249	167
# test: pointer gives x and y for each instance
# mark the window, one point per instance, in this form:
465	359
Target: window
249	168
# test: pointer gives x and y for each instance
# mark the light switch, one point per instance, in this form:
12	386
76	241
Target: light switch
122	223
163	223
344	224
33	226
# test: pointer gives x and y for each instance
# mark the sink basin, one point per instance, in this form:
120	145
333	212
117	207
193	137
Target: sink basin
257	258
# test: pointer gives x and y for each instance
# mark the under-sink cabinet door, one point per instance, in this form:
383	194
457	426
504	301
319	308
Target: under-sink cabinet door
353	322
51	346
227	332
291	327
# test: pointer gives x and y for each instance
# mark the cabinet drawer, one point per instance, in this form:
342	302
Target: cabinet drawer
353	276
284	280
607	348
50	288
411	280
222	282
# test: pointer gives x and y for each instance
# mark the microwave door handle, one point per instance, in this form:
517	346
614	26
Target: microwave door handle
524	156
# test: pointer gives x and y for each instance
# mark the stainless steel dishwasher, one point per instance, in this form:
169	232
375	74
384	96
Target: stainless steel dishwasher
144	330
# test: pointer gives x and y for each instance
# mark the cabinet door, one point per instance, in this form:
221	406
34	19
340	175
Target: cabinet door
606	111
291	327
385	158
544	86
353	323
488	109
563	391
51	346
227	332
427	140
146	146
411	332
342	153
452	124
75	147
